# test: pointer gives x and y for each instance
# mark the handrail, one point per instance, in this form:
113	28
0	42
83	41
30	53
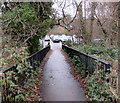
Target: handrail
29	58
9	69
87	57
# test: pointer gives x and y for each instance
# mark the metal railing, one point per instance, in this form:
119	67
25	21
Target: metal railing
90	62
38	56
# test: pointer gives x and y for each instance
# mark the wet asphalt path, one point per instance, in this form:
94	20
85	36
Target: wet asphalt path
58	83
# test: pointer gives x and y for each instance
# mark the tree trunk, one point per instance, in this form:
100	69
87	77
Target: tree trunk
82	29
119	50
92	21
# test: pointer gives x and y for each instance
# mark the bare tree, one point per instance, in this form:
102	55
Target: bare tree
64	21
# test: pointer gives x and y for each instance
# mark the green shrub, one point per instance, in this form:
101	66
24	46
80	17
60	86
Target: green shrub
79	66
97	89
33	45
102	52
19	88
68	43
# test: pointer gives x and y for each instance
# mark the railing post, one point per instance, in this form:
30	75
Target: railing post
107	68
86	71
2	88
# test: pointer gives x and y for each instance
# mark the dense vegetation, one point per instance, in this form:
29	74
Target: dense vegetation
23	25
102	52
23	83
96	86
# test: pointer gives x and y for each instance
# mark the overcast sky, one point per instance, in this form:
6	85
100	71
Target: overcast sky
69	8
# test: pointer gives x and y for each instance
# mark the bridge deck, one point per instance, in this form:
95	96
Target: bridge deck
58	83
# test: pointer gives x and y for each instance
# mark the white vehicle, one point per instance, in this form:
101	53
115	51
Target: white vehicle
51	36
47	38
63	38
56	39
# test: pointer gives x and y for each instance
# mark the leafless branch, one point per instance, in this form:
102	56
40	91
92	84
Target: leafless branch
103	30
28	38
75	14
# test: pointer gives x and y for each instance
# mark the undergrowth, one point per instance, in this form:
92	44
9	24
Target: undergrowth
105	53
21	83
79	67
98	87
96	84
